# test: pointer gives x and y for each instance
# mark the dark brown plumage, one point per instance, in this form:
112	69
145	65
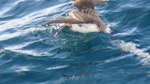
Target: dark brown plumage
85	13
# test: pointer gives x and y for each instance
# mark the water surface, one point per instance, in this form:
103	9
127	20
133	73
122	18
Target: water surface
30	54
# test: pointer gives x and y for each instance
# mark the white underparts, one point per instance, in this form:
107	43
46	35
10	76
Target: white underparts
85	28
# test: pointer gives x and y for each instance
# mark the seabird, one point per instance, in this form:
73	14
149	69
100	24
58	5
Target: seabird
84	19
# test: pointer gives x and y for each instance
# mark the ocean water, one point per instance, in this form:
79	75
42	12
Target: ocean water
30	54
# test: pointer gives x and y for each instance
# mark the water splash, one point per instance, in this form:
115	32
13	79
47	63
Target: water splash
132	48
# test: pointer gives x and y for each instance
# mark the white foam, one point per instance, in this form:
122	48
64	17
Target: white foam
132	48
110	27
108	31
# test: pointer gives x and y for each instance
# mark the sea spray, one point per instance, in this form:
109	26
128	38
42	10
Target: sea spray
132	48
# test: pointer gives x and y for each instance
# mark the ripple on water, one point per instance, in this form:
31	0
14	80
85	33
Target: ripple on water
29	53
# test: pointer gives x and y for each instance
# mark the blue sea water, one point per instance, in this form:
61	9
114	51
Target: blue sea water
30	54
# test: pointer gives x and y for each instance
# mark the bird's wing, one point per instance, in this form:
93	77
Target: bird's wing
97	2
87	15
86	8
66	20
82	4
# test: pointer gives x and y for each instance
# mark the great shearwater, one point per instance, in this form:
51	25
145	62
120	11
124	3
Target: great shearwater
84	19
